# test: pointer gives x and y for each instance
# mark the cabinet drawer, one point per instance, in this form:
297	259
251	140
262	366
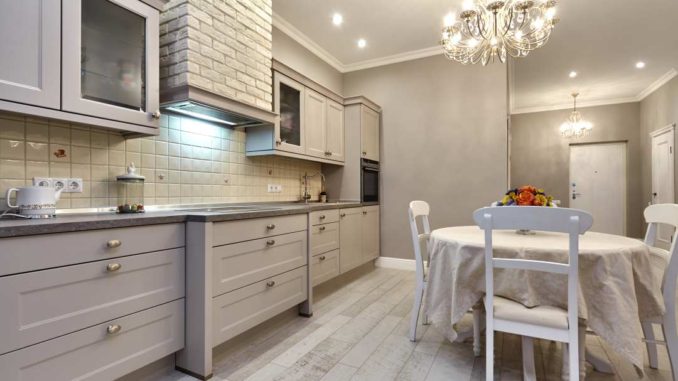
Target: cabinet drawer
31	253
94	354
324	238
324	216
244	230
324	267
41	305
242	309
244	263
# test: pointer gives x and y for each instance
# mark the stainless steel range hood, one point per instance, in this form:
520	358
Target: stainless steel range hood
198	103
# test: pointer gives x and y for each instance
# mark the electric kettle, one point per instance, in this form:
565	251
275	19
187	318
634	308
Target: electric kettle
35	202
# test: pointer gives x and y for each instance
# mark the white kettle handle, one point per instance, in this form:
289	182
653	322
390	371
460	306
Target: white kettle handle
8	194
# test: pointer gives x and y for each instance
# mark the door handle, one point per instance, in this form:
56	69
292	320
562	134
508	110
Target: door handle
575	194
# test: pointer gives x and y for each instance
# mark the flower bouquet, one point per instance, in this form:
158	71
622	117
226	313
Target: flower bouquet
526	195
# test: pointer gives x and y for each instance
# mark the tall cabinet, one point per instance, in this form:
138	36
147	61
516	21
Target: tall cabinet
84	61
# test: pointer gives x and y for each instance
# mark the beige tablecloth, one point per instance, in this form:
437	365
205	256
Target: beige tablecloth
619	280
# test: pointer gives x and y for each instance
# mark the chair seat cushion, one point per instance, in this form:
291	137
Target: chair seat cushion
545	316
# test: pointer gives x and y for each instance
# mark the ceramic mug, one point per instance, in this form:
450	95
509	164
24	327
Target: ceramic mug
34	201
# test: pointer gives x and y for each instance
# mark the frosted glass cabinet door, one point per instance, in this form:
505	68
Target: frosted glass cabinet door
110	60
30	38
288	101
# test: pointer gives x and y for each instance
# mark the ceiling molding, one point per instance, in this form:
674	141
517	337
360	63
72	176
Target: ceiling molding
395	58
661	81
657	84
307	42
564	106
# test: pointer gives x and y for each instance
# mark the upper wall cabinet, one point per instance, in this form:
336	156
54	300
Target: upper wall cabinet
310	125
369	133
85	61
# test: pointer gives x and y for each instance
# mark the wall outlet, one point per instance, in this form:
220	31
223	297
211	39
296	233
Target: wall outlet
274	188
59	183
44	182
74	186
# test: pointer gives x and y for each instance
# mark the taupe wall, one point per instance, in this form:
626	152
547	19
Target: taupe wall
443	140
294	55
540	155
657	111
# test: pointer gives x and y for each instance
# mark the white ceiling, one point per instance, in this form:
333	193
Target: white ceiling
600	39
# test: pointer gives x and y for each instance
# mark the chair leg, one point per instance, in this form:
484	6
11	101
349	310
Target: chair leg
414	318
648	332
671	338
582	352
529	373
573	354
489	353
476	331
565	372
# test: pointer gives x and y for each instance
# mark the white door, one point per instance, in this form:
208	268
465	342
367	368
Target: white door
314	123
335	131
598	184
662	177
369	121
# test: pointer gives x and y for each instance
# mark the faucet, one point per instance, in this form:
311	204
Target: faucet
307	196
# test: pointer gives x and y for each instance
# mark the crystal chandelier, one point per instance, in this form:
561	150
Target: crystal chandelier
575	126
492	29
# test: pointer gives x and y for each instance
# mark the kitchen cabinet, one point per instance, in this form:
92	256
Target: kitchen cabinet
93	62
30	67
310	125
370	232
350	239
369	133
315	118
359	236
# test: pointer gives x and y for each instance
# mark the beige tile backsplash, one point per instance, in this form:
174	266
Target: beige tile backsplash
190	162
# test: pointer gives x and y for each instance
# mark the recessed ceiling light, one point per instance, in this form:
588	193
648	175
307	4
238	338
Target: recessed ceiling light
337	19
449	19
362	43
573	74
640	65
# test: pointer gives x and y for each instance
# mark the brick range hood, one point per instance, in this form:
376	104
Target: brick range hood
215	60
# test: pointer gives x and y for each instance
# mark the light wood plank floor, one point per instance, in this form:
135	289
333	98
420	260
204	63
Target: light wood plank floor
359	332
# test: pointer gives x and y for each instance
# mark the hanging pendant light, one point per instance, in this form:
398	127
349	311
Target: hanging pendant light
575	126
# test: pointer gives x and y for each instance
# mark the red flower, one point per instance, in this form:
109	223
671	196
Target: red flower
525	198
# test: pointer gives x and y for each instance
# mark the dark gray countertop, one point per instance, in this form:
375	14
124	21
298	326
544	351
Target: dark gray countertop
94	221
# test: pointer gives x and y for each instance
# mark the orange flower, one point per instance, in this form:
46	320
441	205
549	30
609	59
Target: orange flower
525	198
527	188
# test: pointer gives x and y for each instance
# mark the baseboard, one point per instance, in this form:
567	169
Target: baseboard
396	263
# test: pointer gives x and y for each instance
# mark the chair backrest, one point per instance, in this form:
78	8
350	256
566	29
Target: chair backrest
420	210
664	214
562	220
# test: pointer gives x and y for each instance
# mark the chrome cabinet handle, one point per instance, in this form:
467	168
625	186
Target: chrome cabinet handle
278	142
270	283
322	257
270	242
113	329
342	215
156	115
322	217
364	212
112	267
112	244
364	153
322	228
270	226
328	153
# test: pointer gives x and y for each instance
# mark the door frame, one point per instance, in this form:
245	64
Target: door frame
670	128
626	174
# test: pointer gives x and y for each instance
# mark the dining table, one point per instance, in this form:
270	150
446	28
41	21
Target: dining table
620	281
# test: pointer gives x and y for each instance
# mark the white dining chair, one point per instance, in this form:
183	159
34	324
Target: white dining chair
543	322
655	215
419	212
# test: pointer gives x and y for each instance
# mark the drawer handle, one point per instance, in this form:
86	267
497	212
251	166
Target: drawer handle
111	267
270	226
342	215
270	242
321	228
322	217
270	283
364	212
113	329
112	244
322	257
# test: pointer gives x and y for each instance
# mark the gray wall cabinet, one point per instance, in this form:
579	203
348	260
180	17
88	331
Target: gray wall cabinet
92	62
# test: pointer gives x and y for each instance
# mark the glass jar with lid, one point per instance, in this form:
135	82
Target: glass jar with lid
130	191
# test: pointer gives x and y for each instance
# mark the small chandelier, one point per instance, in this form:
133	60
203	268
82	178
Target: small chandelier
575	126
498	28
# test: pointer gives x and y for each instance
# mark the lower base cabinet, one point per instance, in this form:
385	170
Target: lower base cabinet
102	352
358	236
324	267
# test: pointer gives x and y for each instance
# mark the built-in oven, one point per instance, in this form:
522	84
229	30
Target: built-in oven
369	181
